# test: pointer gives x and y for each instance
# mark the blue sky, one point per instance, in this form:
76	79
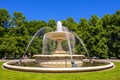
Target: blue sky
61	9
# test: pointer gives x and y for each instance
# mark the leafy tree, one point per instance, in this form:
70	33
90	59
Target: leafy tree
52	24
19	21
106	20
94	20
83	23
113	40
2	31
33	26
70	24
4	16
101	36
116	18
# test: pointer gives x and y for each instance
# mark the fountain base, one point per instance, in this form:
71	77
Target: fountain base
58	61
61	53
59	64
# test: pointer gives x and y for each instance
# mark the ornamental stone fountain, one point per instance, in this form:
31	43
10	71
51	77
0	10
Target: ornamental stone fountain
58	60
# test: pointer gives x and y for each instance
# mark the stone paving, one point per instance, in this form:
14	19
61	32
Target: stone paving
112	60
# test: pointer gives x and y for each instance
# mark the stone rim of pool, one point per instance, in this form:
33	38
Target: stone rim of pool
58	70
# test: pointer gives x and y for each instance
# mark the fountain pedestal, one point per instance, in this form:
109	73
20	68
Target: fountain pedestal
59	50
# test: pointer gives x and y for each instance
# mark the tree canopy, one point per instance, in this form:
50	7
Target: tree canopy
100	35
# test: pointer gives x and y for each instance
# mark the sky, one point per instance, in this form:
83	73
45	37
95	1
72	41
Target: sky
61	9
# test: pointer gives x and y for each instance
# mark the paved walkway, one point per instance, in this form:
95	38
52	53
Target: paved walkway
1	60
112	60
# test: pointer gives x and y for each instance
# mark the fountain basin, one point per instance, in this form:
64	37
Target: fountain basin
57	70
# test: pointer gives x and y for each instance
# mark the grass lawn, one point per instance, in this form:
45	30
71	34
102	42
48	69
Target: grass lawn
113	74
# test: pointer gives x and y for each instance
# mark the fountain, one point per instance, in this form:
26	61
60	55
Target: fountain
58	60
59	57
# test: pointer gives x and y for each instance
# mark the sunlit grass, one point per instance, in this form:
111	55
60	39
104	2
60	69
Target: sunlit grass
112	74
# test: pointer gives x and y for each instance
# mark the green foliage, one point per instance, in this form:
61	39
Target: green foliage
35	47
94	20
2	31
101	36
52	24
4	16
34	25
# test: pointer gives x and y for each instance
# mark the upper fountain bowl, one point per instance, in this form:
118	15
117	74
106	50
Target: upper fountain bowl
59	35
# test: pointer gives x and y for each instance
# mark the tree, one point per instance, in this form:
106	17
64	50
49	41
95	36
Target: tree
113	40
115	18
4	16
94	21
83	23
52	24
19	21
19	18
2	31
106	20
33	26
100	36
70	24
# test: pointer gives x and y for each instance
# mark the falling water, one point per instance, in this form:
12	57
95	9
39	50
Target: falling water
40	31
44	45
68	41
69	45
82	44
60	28
48	45
66	29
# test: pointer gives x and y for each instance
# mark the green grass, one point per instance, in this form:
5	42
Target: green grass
113	74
